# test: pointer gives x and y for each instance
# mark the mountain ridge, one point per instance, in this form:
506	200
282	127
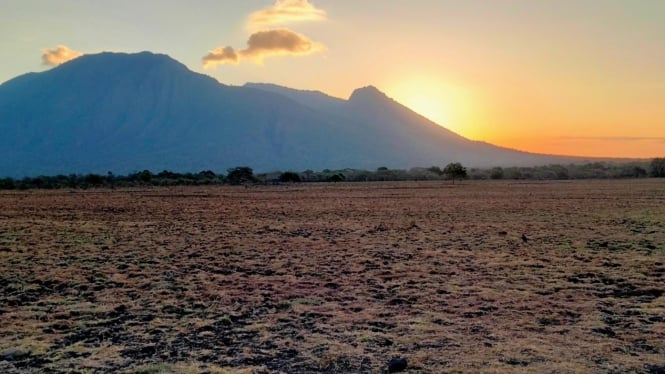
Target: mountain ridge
125	112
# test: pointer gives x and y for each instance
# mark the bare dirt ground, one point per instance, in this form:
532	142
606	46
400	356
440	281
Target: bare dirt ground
336	278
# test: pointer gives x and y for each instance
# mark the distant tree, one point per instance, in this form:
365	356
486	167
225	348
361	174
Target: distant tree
205	177
72	181
496	173
241	175
93	180
289	177
207	174
336	178
165	174
308	174
658	167
436	170
560	172
455	170
639	172
7	184
110	179
381	168
145	176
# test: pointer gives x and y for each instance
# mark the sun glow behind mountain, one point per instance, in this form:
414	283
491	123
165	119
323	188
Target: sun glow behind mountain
444	103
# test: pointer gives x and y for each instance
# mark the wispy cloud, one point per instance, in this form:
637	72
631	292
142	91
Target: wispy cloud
264	44
286	11
58	55
617	138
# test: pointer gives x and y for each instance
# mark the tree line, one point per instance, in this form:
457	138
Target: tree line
244	175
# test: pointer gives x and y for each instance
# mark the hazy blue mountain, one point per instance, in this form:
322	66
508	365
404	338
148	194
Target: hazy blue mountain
128	112
316	100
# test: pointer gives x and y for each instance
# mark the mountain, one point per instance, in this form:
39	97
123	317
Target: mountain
409	135
126	112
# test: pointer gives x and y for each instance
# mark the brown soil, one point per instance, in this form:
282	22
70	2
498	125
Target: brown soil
336	278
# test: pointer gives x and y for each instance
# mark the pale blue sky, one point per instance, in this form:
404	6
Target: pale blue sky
536	75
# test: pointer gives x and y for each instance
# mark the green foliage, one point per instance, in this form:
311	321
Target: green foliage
658	167
455	170
289	177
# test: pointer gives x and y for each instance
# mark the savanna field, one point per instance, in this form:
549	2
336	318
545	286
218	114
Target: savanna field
475	277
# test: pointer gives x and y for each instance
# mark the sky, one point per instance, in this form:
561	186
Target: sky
568	77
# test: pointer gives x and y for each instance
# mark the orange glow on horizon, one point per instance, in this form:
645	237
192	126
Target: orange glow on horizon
536	121
603	147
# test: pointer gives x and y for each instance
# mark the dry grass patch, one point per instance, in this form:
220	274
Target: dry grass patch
337	278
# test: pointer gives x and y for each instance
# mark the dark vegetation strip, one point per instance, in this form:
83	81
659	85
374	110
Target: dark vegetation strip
245	175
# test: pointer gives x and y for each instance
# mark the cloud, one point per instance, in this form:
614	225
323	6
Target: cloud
270	40
220	55
59	55
284	11
278	42
263	44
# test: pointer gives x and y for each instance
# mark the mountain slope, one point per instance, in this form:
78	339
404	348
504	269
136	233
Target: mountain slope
407	134
126	112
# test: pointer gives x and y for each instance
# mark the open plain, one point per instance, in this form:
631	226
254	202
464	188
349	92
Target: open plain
476	277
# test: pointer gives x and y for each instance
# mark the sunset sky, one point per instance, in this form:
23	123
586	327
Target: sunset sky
574	77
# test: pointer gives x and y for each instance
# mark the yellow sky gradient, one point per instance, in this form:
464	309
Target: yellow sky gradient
569	77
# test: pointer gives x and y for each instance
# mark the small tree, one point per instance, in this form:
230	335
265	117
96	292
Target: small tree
289	177
658	167
241	175
455	170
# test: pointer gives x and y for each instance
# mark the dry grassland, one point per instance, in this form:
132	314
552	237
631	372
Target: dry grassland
336	278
